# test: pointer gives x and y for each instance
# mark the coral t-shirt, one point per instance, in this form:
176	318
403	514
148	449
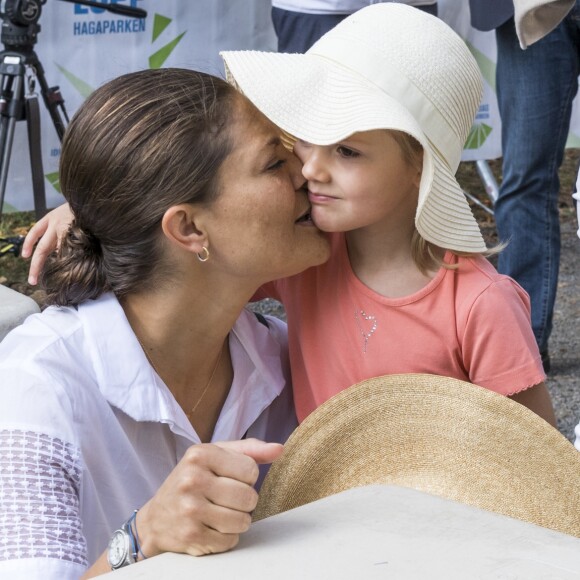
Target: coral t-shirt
470	323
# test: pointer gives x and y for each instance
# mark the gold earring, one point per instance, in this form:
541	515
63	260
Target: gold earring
205	255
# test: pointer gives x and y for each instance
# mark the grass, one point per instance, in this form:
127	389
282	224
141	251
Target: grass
13	270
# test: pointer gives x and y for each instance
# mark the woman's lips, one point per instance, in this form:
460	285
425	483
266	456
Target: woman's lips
305	216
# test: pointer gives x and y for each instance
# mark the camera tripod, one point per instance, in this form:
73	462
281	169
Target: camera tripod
15	105
20	69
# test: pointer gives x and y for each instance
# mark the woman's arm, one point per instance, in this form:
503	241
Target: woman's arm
538	400
204	504
47	232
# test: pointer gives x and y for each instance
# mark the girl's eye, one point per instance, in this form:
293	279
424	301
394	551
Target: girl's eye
347	152
276	165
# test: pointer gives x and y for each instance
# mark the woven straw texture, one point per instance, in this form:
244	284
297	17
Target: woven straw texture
437	435
387	66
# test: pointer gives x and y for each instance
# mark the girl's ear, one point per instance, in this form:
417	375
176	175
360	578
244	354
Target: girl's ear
419	174
417	179
180	228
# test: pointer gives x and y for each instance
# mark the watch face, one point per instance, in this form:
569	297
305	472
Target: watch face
117	549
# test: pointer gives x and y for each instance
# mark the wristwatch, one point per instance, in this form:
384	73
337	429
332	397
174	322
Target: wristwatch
120	552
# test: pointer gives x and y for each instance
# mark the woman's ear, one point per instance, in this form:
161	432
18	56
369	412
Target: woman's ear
180	227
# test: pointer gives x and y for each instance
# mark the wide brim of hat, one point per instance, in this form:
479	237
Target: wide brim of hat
435	434
316	100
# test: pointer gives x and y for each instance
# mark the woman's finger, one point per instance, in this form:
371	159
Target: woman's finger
259	451
232	494
222	462
227	521
212	542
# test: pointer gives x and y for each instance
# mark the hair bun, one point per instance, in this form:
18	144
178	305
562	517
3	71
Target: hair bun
80	237
75	273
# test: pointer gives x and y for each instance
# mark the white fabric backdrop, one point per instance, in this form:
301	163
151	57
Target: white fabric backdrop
81	47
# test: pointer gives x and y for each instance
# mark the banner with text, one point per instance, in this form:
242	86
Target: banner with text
81	47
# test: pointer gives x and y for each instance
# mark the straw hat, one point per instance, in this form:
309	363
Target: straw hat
387	66
435	434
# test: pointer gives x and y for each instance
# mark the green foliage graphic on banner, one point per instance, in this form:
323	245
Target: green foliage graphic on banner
84	89
156	60
477	136
54	181
160	23
486	65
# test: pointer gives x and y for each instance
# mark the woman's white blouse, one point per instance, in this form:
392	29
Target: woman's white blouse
88	431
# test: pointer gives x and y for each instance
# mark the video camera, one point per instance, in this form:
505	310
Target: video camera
20	26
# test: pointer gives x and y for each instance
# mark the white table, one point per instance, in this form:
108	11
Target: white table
380	532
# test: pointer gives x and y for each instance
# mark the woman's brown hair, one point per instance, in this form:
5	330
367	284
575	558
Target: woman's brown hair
138	145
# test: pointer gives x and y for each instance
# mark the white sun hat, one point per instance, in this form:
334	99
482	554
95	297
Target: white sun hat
536	18
387	66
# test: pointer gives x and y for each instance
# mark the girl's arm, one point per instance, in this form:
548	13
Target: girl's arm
47	232
538	400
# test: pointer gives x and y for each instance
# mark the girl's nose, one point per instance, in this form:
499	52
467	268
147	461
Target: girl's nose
314	168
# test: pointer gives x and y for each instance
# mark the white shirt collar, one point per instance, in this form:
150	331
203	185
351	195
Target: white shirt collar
130	383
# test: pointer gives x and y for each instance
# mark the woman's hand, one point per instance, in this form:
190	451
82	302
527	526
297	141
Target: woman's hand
49	230
207	500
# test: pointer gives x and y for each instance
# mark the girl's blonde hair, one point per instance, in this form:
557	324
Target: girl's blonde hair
426	255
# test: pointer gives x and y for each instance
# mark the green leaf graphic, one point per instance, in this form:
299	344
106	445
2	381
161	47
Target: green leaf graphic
83	88
486	65
477	136
157	59
53	180
160	23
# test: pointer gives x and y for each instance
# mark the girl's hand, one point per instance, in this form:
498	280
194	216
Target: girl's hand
49	230
207	500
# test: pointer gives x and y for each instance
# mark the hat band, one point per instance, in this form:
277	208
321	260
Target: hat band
362	60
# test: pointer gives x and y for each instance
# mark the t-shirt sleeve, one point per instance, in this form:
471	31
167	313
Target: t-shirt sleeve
499	348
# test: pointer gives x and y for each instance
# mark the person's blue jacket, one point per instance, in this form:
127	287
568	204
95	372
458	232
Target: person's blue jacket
489	14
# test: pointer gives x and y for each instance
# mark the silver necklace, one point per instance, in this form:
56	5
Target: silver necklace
358	314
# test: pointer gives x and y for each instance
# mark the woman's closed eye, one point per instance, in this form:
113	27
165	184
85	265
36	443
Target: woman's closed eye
275	165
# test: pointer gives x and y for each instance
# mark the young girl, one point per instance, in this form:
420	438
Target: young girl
381	107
